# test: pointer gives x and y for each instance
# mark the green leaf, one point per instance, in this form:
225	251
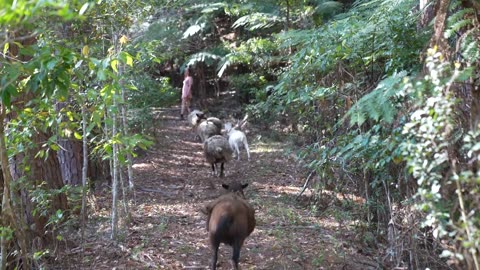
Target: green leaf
126	58
101	74
5	47
77	135
70	115
114	65
7	95
51	64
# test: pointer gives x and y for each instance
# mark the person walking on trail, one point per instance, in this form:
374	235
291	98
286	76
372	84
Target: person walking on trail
186	93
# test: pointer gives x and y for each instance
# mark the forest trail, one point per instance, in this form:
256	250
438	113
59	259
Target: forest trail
168	230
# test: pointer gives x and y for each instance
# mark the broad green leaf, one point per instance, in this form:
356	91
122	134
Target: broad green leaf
70	115
126	58
6	98
77	135
114	65
5	47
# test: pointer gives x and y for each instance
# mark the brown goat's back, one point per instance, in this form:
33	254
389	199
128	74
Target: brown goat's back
231	219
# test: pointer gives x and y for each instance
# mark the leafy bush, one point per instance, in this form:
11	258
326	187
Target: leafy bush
248	86
448	188
147	94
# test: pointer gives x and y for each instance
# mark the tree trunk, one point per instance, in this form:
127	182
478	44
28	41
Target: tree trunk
438	39
69	156
114	181
125	132
84	169
287	15
1	188
426	14
115	168
70	160
201	84
40	170
8	213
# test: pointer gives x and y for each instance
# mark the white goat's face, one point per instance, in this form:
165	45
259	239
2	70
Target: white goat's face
228	127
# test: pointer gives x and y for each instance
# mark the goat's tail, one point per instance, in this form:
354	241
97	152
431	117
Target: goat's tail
218	151
223	227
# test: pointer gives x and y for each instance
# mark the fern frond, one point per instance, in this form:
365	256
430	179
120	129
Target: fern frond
192	31
223	65
378	105
231	59
470	49
295	37
203	57
257	21
456	21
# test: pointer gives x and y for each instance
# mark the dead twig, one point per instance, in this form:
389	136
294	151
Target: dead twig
306	183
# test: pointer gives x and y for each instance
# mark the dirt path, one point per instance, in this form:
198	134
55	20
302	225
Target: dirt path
168	231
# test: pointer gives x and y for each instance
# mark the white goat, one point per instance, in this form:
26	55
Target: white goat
237	138
194	117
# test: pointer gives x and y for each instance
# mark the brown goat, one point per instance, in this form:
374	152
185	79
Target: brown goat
230	220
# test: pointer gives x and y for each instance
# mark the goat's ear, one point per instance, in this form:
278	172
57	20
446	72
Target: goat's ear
225	186
244	186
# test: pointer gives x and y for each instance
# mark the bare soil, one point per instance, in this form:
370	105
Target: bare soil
167	230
